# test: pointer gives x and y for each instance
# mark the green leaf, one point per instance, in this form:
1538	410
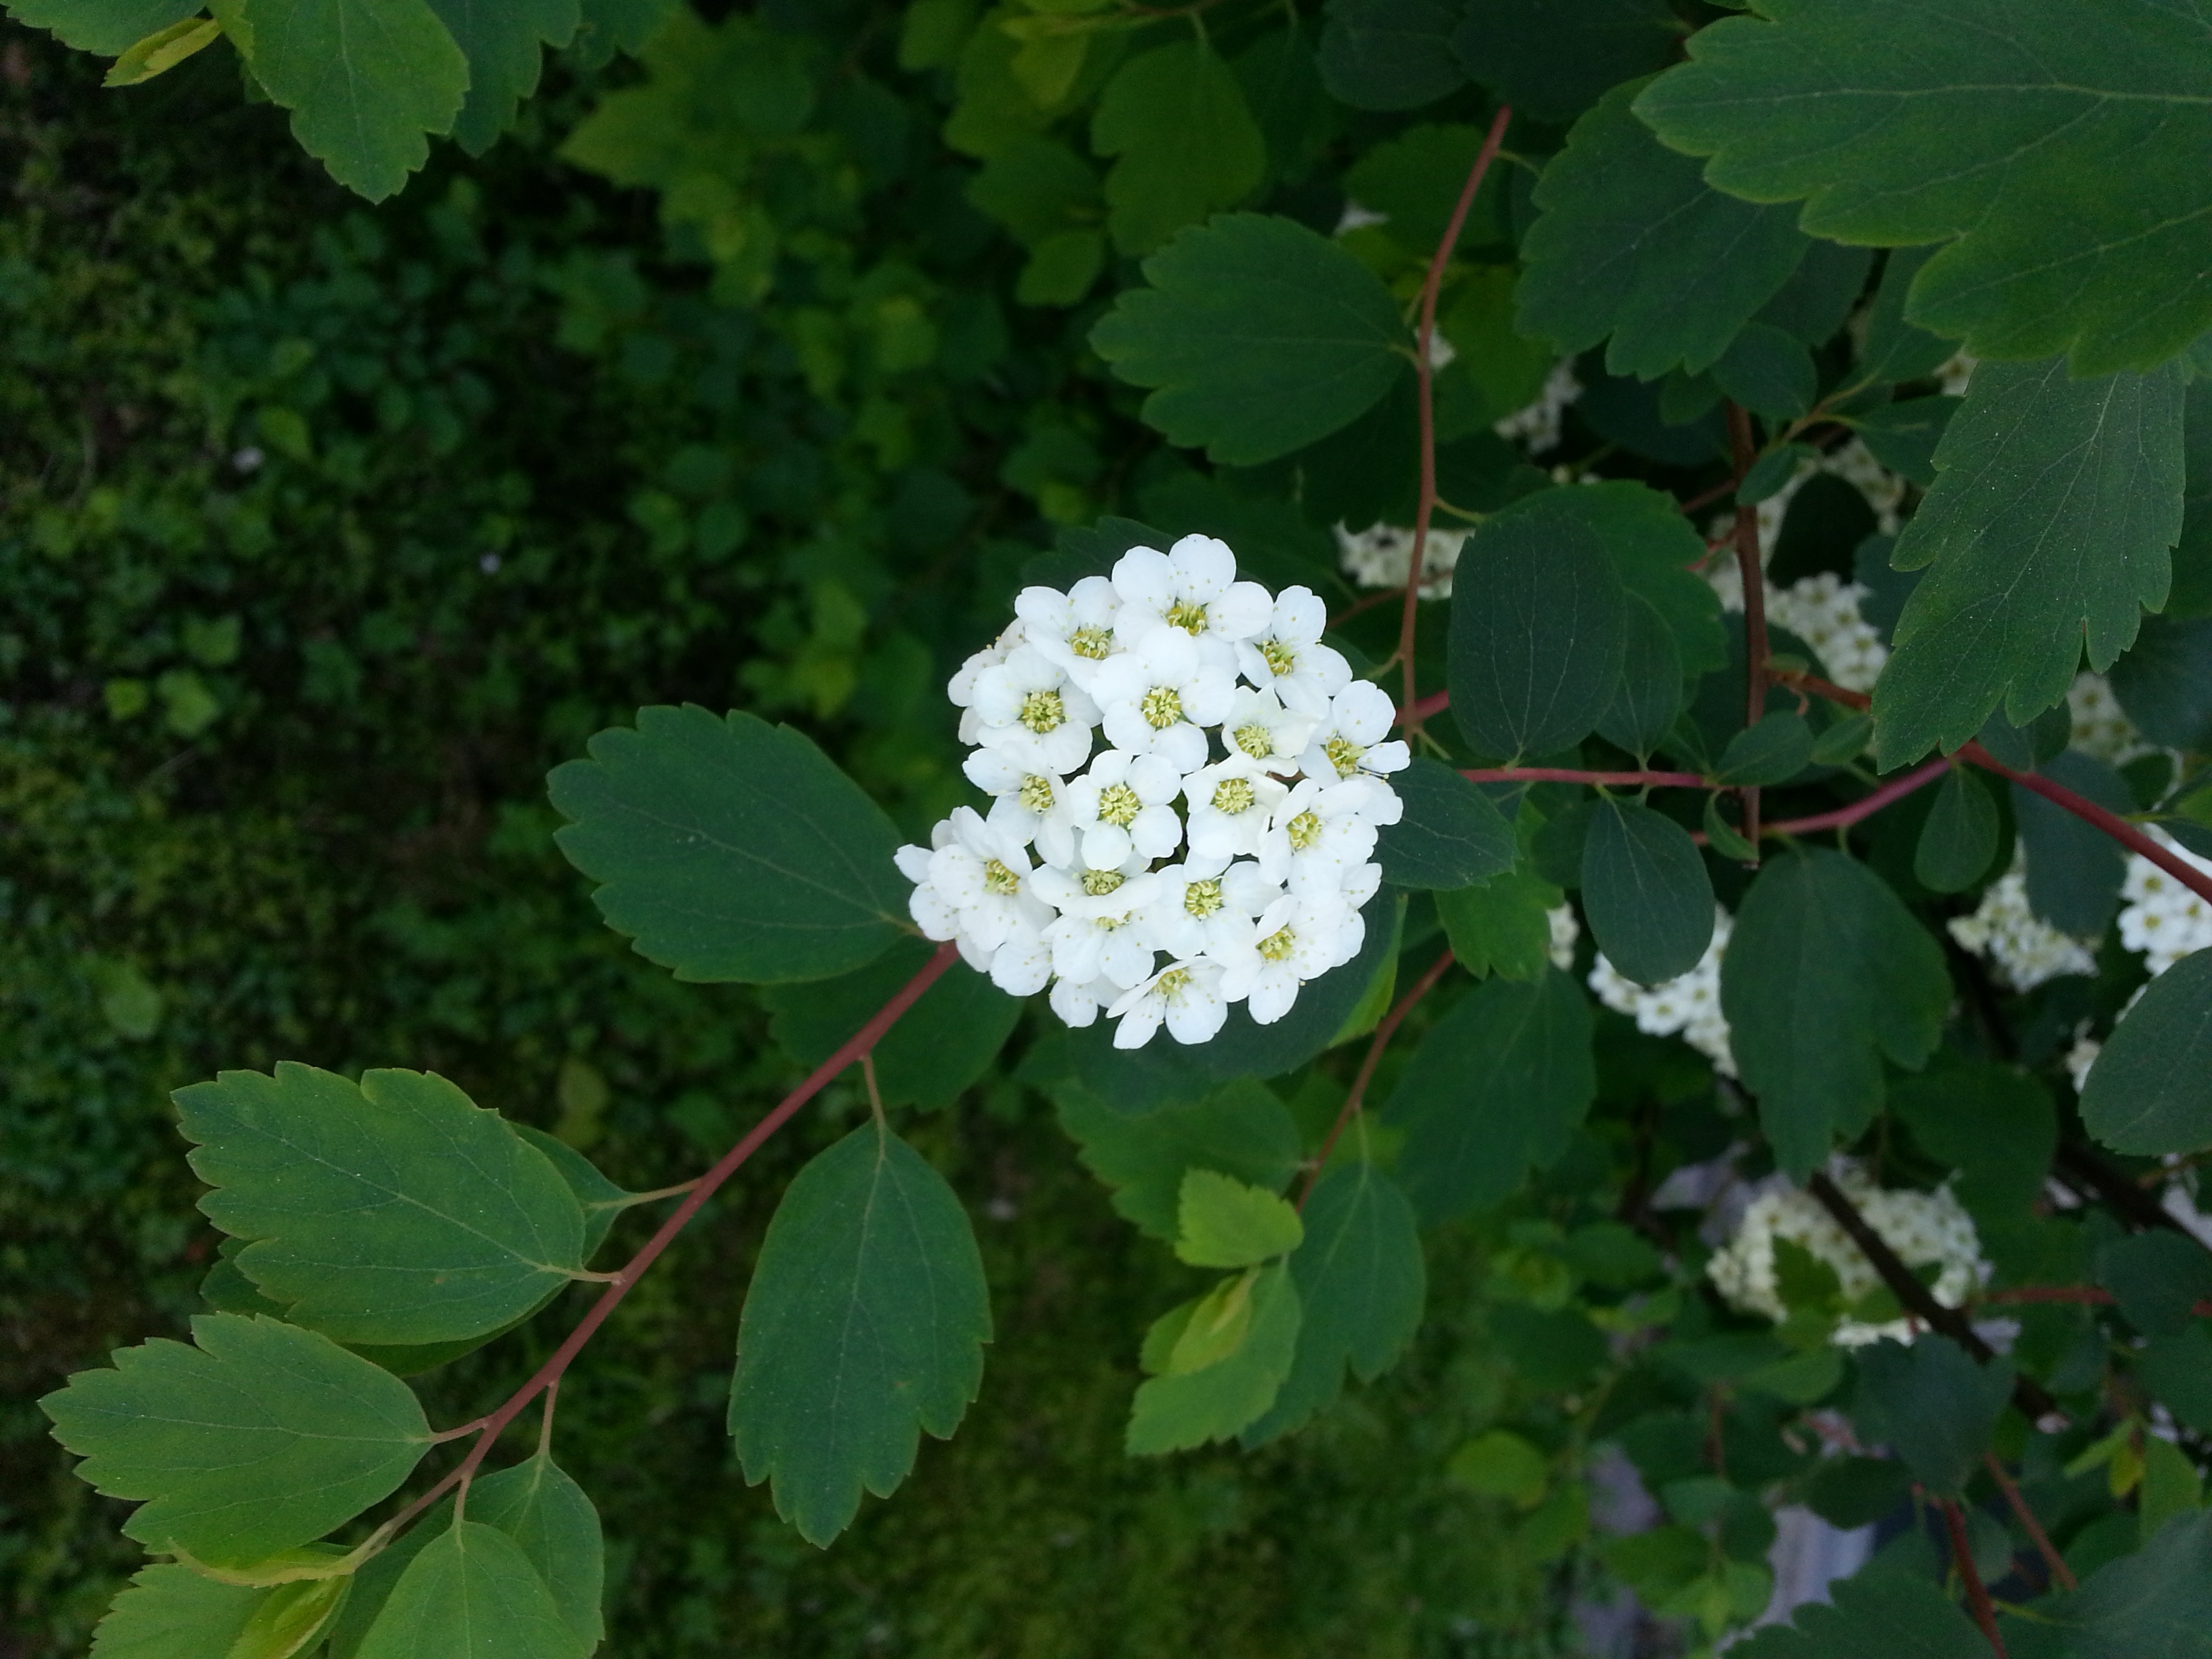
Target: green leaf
501	41
261	1438
366	81
1180	1410
1450	835
2150	1091
1502	926
1241	1129
1649	695
1414	181
1904	436
1539	626
1934	1405
1851	1492
1817	300
1037	189
2165	682
1223	1223
173	1613
547	1514
1995	1126
1770	471
1472	1131
2157	1602
1768	371
291	1619
2054	505
2170	1486
945	1042
2074	869
1843	742
731	849
1362	1284
1388	54
157	54
2159	1278
1959	838
109	27
378	1576
472	1594
1774	751
395	1212
1259	336
1177	118
1723	837
1883	1610
1645	892
2057	156
1894	349
603	1201
1631	247
1826	974
1084	1069
1501	1464
1552	59
864	1326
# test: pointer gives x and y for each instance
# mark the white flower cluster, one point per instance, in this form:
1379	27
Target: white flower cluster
1690	1005
1382	554
1823	610
2161	918
1537	424
1567	931
2101	728
2025	949
1228	823
1925	1229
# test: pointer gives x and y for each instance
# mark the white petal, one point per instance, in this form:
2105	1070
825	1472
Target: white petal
1363	711
1105	846
1044	611
994	771
937	920
1244	611
1074	1003
1022	965
912	862
1124	958
977	956
1142	576
1153	778
1138	1024
1270	996
1156	832
1198	1017
1392	756
1299	618
1183	746
1204	567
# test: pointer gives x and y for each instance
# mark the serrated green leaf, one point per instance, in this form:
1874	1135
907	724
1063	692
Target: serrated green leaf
470	1594
502	40
1538	630
1649	696
1934	1405
395	1212
2074	868
1388	54
1414	181
2054	504
547	1515
109	27
1175	1411
2157	1602
1994	1125
261	1437
1552	60
1631	247
1645	892
162	51
864	1327
2055	156
173	1613
1882	1610
1176	120
1259	336
1085	1070
1472	1131
1904	436
731	849
1502	925
1241	1129
1774	751
1220	1222
1817	300
1450	835
1826	974
1894	349
1959	838
2150	1091
1362	1284
2159	1278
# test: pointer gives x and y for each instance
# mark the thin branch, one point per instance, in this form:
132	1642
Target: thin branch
2089	812
1430	288
1421	707
1862	809
1745	451
1962	1557
1803	681
1568	774
1366	1073
2060	1572
2083	1168
1365	602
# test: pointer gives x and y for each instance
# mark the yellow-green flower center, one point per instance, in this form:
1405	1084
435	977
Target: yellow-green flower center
1043	712
1234	795
1343	755
1202	898
1305	830
1099	883
1189	617
1173	983
998	878
1118	804
1037	793
1279	657
1162	707
1278	945
1256	740
1093	641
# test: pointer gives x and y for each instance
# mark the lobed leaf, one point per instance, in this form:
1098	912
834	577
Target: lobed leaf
168	1612
1220	1222
1882	1610
1176	120
503	41
110	27
1932	1402
1187	1408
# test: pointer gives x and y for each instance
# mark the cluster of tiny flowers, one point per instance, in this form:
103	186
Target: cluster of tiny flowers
1823	610
1227	824
1567	931
1537	425
1852	462
1382	554
2025	949
1926	1230
2101	728
1690	1005
2161	918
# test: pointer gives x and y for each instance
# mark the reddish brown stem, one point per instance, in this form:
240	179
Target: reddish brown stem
1978	1595
1430	288
1860	809
2089	812
1745	451
1365	1075
1568	774
1365	601
2061	1573
1421	707
1707	497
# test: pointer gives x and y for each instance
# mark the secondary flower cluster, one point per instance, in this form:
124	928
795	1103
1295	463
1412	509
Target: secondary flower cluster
1690	1005
1228	823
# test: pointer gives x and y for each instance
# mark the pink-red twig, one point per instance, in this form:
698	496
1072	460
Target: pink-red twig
1746	535
1962	1558
1862	808
2060	1572
1366	1072
2088	811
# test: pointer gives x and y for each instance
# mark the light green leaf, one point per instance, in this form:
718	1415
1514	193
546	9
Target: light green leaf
1826	974
1501	1464
1552	60
942	1045
1472	1131
1502	925
1633	247
1037	189
2057	155
1362	1284
1177	1411
1222	1223
1388	54
864	1326
1175	119
542	1510
2054	505
173	1613
470	1594
261	1438
1259	336
1959	837
2150	1091
396	1211
501	41
1645	892
109	27
1450	835
158	53
1882	1610
366	81
731	849
379	1575
291	1619
1241	1129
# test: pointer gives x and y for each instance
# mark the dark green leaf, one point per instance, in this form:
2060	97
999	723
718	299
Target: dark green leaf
1538	628
1646	893
2150	1091
1768	371
1934	1404
374	1584
1472	1131
1883	1611
1177	120
1552	60
864	1326
1388	54
1362	1283
1857	1492
261	1438
1556	849
2059	154
1414	181
2191	596
542	1510
2055	502
1085	1067
2074	868
1260	336
2165	682
602	1200
1243	1048
173	1613
1894	349
1502	925
392	1213
1652	548
1817	300
1770	471
1241	1129
1959	837
1994	1125
501	41
1630	245
2159	1278
1826	974
109	27
472	1592
1774	751
1183	1409
1036	188
618	25
1649	696
1725	838
1843	742
931	1057
2176	1370
1904	436
731	849
2156	1604
1283	89
1450	836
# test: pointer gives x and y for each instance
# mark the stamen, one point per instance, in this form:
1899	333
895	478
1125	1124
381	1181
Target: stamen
1202	898
1343	755
1118	804
1234	795
998	878
1099	883
1277	945
1093	641
1279	657
1036	793
1043	712
1162	707
1189	617
1305	830
1256	740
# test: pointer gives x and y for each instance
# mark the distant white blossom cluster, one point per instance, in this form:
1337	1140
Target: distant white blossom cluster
1382	554
2160	917
1852	462
1536	425
1228	823
1690	1005
2101	728
1823	610
1567	931
2025	949
1926	1230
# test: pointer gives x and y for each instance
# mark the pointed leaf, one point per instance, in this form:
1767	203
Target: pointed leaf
1177	1411
1241	1129
1652	547
1995	1126
2150	1091
291	1619
163	50
1959	838
1773	751
392	1213
1502	926
732	849
1935	1404
502	40
173	1613
261	1437
1222	1223
1450	835
945	1042
1646	893
2155	1604
109	27
1827	973
542	1510
1177	120
864	1326
470	1594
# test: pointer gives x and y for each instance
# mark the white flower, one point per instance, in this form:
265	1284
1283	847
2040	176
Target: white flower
1077	1003
1186	995
1316	838
1349	738
1539	422
1565	930
1260	730
1288	658
2025	949
1690	1005
2101	728
1203	909
1156	696
1823	610
1027	706
1231	802
1381	555
1126	802
1028	804
1191	587
2163	918
1300	937
1075	630
973	885
960	689
1096	935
